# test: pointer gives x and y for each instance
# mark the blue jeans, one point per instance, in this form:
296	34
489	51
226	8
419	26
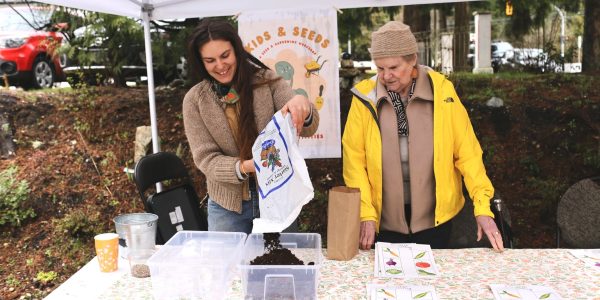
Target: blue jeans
221	219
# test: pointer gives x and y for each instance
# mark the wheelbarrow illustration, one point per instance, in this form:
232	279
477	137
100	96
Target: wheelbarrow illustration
313	67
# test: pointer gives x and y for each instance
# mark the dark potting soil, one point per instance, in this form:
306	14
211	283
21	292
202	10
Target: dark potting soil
275	254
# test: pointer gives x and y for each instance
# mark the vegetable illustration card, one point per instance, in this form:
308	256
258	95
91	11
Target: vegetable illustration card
389	292
404	260
591	257
526	292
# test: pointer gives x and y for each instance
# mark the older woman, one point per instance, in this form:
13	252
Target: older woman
408	144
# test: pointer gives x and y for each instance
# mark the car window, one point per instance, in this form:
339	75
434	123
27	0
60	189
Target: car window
12	21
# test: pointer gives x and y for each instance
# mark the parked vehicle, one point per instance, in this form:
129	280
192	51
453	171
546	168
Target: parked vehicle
97	59
502	54
531	59
28	46
93	63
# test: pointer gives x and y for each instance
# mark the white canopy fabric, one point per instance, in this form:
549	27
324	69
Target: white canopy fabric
174	9
148	10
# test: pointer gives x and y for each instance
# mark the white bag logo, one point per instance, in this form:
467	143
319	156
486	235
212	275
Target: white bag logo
283	182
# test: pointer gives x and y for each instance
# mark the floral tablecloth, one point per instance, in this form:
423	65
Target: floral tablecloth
464	274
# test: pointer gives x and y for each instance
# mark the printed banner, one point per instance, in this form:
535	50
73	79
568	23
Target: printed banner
302	47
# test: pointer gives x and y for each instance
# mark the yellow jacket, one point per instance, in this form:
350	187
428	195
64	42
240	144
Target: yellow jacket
456	152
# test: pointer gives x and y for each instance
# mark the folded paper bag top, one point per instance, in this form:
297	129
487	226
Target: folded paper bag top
343	223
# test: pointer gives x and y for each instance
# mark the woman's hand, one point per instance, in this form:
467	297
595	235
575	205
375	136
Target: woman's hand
488	226
367	234
247	167
299	107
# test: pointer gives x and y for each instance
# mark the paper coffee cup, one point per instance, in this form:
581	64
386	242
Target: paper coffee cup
107	251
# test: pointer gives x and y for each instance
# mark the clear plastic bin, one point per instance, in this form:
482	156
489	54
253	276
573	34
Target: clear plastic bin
282	281
196	265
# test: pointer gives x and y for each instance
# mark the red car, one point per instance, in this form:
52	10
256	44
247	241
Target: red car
28	55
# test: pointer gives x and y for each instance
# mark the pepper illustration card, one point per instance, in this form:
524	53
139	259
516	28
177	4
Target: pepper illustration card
404	260
389	292
525	292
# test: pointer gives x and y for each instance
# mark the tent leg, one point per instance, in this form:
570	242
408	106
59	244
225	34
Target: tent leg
151	96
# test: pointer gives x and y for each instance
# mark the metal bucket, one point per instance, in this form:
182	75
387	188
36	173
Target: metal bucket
136	231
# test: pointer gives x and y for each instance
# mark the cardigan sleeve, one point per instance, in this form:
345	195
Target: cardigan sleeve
207	155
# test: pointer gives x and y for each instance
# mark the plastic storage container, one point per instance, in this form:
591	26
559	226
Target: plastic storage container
282	281
196	265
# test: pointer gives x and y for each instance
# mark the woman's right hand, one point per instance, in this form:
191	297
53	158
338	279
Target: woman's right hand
247	167
367	234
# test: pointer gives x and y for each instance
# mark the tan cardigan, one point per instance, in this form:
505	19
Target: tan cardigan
419	112
212	143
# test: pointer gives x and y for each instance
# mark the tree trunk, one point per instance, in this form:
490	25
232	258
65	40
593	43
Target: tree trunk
591	43
461	36
417	17
419	20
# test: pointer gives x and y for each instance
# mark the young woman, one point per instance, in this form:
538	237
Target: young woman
236	97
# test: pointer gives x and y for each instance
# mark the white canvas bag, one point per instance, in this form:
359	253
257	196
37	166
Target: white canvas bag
283	183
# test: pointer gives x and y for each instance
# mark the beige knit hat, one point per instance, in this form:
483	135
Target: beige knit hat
393	39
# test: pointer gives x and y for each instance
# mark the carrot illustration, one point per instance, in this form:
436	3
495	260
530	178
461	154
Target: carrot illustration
387	293
391	252
512	295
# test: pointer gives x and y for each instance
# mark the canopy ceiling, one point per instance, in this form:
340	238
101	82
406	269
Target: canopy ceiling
175	9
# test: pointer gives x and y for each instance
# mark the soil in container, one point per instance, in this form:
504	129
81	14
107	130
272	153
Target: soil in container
275	254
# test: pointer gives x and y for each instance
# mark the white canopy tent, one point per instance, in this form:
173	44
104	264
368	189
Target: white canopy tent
148	10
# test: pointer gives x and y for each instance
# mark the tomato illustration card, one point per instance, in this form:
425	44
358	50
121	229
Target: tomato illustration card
404	260
525	292
389	292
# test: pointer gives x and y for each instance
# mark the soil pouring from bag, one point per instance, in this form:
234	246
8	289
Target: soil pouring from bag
275	254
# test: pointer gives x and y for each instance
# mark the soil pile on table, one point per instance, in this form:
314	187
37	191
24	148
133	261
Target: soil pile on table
275	254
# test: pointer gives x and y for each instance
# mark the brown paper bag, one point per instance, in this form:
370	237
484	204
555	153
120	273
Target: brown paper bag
343	223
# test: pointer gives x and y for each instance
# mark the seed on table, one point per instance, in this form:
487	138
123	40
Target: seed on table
140	271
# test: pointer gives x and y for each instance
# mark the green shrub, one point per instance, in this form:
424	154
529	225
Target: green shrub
13	199
46	277
79	224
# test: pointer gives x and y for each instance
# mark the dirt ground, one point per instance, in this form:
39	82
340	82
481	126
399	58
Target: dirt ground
72	147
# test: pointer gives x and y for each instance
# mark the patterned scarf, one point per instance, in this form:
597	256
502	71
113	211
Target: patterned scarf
227	94
401	110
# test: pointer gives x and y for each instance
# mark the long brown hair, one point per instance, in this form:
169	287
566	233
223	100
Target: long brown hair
210	29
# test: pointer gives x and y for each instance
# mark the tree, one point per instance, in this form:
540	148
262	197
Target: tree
461	36
591	37
355	25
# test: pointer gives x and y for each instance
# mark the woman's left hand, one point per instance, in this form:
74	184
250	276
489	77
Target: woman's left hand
299	107
488	226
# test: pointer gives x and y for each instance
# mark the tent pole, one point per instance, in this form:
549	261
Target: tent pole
151	96
150	72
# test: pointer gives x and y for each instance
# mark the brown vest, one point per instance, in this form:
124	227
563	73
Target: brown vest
420	148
